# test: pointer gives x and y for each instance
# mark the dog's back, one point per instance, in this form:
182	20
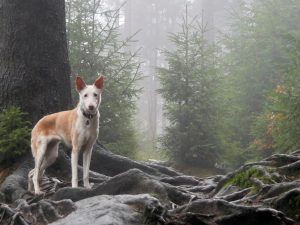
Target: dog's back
57	126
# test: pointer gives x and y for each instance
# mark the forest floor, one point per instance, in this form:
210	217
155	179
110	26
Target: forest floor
194	170
124	191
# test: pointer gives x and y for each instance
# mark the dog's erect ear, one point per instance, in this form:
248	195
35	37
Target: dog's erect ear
80	84
99	82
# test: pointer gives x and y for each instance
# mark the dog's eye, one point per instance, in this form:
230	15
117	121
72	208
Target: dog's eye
95	95
85	95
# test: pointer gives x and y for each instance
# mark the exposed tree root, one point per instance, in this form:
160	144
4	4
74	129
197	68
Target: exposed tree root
231	199
213	212
133	181
9	216
41	213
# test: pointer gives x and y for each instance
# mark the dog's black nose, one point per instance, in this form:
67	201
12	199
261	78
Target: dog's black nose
91	107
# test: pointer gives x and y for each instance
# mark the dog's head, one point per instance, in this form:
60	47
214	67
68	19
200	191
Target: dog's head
90	95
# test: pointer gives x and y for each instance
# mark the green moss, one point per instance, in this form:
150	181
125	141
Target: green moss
243	179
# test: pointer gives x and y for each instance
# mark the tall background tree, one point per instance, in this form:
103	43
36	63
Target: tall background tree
96	47
188	85
34	66
154	19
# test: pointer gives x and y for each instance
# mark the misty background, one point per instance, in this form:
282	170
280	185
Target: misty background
151	23
154	21
207	84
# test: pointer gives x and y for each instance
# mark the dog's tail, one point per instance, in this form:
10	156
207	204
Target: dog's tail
33	147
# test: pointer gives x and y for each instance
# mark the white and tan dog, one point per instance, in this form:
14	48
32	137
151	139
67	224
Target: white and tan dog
77	128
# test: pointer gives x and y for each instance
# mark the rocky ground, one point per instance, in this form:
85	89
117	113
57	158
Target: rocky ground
127	192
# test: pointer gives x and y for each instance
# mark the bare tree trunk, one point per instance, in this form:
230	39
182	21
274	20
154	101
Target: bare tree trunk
208	17
34	66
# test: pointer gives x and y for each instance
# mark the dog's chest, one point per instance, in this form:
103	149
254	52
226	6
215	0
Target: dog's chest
87	130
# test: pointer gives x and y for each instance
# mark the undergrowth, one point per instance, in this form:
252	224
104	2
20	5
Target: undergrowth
14	135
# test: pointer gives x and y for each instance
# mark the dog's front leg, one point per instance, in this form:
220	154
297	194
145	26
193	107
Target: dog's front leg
74	161
87	153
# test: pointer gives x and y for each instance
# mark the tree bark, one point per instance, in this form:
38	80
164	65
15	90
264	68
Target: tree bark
34	66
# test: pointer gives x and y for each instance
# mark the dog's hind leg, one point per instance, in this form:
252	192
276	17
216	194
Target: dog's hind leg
50	155
31	172
30	181
41	151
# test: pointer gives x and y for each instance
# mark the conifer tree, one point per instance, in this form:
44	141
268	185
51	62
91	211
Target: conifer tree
188	85
96	47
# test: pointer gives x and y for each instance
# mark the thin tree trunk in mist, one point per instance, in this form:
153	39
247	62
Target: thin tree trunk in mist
208	17
153	107
34	66
128	18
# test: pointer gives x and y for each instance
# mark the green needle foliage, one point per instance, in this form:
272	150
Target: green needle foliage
260	86
95	47
188	86
14	135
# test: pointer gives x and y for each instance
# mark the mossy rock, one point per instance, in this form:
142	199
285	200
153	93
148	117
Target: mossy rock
243	179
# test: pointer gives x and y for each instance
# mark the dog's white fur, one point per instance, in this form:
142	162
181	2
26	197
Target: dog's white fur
77	128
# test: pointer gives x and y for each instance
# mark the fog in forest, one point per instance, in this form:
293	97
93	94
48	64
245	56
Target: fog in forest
198	83
151	23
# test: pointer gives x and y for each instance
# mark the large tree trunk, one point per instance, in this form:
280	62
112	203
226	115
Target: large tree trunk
34	66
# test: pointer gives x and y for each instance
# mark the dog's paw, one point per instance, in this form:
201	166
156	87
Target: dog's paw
89	186
56	180
39	192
